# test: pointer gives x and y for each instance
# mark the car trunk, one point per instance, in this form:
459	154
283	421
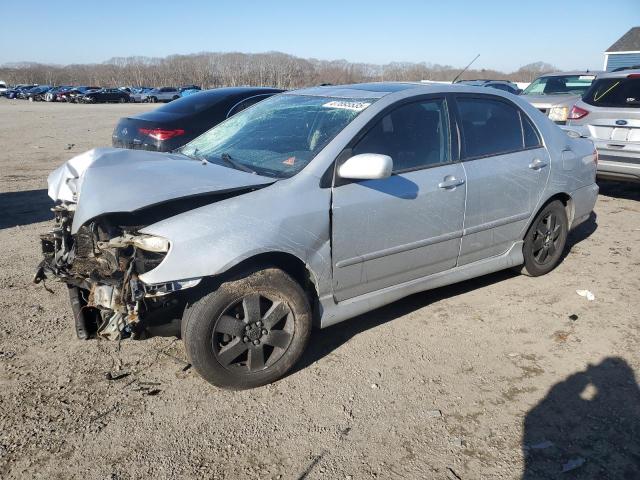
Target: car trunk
154	131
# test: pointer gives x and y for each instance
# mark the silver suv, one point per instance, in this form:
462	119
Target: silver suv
164	94
609	114
555	93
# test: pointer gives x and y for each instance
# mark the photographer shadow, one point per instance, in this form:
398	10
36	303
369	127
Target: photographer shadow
24	208
587	427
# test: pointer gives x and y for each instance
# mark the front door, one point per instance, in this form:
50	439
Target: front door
390	231
507	169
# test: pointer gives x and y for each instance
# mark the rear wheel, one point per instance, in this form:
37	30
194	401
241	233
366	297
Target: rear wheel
153	99
545	240
123	100
250	331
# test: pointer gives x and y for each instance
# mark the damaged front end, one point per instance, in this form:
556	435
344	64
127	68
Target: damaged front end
101	264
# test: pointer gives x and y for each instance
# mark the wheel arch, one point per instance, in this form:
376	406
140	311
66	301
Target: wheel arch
287	262
564	198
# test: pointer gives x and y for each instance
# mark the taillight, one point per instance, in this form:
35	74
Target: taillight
595	156
577	112
160	133
633	75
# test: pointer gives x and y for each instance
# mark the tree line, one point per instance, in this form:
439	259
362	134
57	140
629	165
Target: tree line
215	69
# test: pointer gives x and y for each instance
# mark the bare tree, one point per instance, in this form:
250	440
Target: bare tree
215	69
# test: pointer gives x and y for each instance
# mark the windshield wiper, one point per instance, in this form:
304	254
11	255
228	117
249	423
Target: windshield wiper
225	157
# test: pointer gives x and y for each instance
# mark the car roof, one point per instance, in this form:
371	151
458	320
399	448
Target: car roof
357	90
484	80
377	90
620	74
574	72
231	91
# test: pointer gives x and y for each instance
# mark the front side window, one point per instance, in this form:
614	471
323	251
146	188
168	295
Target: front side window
490	127
615	92
415	135
279	136
560	84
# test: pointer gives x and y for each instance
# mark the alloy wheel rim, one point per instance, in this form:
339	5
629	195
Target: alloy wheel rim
252	333
546	239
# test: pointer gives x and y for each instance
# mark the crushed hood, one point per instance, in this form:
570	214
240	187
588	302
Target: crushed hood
110	180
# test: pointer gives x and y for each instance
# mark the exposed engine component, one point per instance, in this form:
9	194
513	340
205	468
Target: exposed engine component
101	264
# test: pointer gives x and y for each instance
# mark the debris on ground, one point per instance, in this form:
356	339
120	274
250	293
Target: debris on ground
573	464
541	445
117	376
452	474
434	413
573	317
586	293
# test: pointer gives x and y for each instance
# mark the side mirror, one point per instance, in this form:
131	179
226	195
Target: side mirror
366	166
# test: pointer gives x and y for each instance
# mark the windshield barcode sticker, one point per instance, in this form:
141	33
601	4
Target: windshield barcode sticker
355	106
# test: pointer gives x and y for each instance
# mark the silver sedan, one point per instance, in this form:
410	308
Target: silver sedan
310	208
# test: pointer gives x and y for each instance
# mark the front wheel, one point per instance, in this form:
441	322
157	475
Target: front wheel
248	332
545	240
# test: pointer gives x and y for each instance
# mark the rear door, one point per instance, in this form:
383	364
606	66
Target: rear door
386	232
507	169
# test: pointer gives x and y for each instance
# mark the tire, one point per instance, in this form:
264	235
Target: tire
175	97
153	99
229	333
123	100
545	240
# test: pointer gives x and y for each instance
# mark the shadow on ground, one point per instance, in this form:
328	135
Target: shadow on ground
587	427
24	208
324	341
625	190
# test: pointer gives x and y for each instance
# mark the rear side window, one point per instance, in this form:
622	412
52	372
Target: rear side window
529	133
614	92
415	136
490	127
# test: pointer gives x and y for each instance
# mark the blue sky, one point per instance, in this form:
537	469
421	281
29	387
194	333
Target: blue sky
507	34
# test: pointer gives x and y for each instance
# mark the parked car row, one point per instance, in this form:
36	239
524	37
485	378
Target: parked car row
89	94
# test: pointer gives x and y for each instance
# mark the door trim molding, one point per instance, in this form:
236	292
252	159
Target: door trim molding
496	223
399	249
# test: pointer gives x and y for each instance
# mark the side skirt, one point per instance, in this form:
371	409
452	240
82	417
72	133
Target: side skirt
332	312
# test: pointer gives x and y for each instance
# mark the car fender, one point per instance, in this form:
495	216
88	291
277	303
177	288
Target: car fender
212	239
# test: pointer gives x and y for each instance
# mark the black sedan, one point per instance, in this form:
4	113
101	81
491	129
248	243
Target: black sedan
106	95
176	123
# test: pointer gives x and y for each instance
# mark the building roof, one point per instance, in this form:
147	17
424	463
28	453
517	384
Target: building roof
629	42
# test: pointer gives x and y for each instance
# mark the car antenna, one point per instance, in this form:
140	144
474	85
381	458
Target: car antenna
465	69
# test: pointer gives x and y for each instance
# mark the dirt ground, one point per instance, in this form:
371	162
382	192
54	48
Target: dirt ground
503	376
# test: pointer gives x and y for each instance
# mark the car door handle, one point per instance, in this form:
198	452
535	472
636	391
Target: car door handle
537	164
450	182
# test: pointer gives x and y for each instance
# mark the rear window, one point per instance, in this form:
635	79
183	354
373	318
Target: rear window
191	104
614	92
560	84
